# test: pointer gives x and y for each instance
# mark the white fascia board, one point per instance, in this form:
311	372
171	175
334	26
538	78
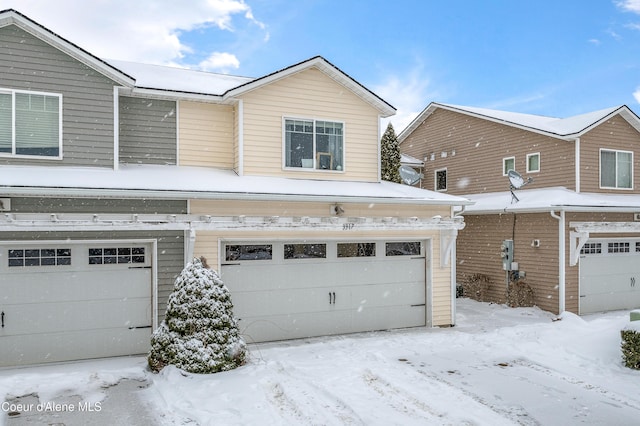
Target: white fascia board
175	95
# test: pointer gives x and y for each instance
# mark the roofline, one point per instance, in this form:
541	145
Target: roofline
209	195
13	17
385	108
568	209
623	110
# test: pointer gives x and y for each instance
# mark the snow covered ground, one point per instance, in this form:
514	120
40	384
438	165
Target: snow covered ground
499	366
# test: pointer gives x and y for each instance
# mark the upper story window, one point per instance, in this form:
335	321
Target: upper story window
616	169
313	144
508	164
441	179
30	123
533	162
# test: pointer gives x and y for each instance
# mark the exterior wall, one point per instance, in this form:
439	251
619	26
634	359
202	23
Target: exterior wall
480	146
170	259
478	252
313	95
208	242
148	132
28	63
94	205
206	135
616	133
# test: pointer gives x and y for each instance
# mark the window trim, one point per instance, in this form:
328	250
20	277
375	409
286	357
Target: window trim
533	154
13	154
314	168
616	151
505	172
446	180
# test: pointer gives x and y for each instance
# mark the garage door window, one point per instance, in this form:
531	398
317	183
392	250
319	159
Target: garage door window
403	248
116	255
356	249
618	247
40	257
591	248
305	251
249	252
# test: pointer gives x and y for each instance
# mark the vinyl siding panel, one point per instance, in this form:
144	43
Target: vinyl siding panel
615	134
170	252
478	252
28	63
475	148
148	133
206	135
309	94
94	205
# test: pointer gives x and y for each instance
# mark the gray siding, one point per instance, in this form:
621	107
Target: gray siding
170	252
94	205
28	63
148	133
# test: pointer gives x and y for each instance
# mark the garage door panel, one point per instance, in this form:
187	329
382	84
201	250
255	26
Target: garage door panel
53	347
400	294
383	271
300	274
293	301
56	286
389	317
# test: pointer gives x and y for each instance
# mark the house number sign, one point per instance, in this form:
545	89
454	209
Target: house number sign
348	226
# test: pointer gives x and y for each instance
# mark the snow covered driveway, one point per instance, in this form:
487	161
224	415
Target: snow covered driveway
499	366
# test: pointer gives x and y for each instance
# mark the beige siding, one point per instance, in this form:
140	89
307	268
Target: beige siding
616	134
479	147
478	252
313	95
441	289
206	135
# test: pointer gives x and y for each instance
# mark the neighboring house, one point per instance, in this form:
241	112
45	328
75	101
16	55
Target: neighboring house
575	228
114	174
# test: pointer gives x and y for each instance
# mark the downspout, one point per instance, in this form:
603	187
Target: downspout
577	161
561	260
240	138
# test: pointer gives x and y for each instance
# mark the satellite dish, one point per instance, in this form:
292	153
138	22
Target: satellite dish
516	182
409	175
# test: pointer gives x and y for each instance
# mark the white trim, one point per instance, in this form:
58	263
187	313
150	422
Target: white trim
539	162
577	163
240	137
313	169
616	151
561	260
577	240
505	172
447	246
116	127
177	132
435	180
154	279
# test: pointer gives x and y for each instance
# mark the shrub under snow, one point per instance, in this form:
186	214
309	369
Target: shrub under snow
631	345
199	333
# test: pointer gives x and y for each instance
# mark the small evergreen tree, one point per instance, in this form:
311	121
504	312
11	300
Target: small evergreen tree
390	156
199	333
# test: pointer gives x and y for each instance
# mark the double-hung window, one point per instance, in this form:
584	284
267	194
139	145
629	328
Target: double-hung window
30	123
314	144
616	169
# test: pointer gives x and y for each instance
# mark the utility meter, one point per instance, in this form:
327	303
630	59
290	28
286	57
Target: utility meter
506	252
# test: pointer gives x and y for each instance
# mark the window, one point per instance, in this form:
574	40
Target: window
591	248
305	251
533	162
249	252
30	123
39	257
116	255
403	248
508	164
617	247
356	249
312	144
441	179
616	169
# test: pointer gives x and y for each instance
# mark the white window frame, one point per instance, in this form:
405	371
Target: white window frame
446	179
530	170
314	167
13	154
616	151
505	172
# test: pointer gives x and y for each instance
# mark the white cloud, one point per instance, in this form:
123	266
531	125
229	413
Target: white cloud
629	5
409	94
636	95
141	30
220	62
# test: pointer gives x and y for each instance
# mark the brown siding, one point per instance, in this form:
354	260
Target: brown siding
478	252
616	133
479	147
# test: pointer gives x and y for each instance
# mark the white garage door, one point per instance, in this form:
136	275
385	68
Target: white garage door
65	301
609	276
287	290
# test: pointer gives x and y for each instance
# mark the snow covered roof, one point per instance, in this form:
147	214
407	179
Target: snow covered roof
177	182
410	161
563	128
548	199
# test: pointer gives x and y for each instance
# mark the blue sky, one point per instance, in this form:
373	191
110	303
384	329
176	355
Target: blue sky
547	57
